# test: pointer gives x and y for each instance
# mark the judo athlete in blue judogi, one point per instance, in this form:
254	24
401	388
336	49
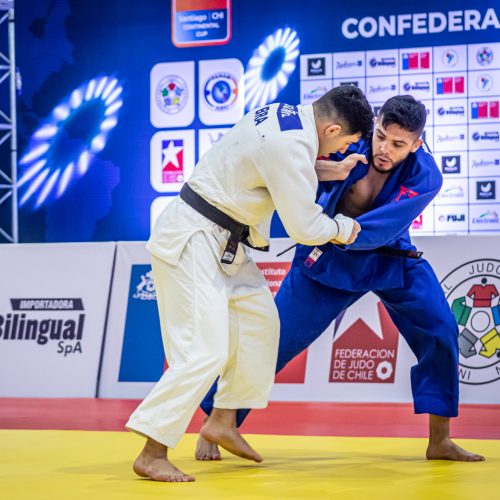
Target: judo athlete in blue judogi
385	185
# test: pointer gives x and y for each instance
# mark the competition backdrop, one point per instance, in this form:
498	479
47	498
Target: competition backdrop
63	300
118	101
120	98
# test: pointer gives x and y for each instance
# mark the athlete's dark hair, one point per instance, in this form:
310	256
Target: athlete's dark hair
346	105
405	111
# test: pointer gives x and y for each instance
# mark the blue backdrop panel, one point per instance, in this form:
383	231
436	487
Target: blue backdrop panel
86	117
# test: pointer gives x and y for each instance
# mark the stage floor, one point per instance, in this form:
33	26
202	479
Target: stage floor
305	449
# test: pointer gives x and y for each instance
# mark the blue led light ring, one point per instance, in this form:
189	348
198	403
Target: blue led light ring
42	173
270	67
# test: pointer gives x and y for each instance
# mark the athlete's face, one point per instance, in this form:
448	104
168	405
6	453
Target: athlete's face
333	140
391	146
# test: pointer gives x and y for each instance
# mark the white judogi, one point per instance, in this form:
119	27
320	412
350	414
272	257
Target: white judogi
220	319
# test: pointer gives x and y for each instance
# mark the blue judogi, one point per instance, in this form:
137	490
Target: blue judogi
317	290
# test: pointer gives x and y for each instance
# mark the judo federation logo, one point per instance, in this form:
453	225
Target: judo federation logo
171	94
484	56
473	292
365	348
221	91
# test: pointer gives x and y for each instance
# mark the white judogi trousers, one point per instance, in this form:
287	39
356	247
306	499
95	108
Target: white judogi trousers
213	323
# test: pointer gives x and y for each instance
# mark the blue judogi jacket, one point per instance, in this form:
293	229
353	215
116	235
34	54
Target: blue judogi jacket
356	267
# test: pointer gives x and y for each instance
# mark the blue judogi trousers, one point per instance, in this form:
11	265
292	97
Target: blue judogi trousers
419	311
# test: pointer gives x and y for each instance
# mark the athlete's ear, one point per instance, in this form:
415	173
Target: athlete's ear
416	145
332	130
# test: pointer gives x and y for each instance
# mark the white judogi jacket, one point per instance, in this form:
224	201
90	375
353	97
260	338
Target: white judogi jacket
265	162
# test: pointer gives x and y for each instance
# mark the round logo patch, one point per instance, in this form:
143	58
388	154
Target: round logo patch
473	292
484	82
221	91
484	56
171	94
450	58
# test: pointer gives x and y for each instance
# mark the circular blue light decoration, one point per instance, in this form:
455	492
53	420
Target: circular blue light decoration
61	150
270	67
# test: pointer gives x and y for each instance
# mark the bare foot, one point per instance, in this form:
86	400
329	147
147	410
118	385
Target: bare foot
441	447
205	450
153	463
220	428
446	449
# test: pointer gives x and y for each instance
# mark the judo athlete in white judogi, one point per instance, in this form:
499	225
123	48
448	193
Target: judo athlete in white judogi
217	314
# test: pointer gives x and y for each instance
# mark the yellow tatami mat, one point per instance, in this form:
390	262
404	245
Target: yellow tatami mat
90	465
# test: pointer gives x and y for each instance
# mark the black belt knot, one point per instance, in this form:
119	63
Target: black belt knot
239	232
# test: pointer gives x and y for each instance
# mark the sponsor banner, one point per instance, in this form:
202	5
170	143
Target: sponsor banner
428	137
274	268
469	272
484	217
355	81
134	358
484	83
157	206
484	136
360	349
171	159
207	137
312	90
450	85
429	107
316	67
484	163
382	62
201	22
472	288
221	91
275	273
450	112
419	86
51	327
451	218
172	94
450	138
484	57
484	189
424	223
415	60
348	64
380	88
360	357
376	106
454	191
450	58
484	109
452	164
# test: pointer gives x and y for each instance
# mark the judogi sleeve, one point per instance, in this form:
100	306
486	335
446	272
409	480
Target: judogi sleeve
325	187
388	222
287	169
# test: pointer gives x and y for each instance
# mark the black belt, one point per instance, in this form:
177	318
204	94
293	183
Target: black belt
392	252
238	232
396	252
